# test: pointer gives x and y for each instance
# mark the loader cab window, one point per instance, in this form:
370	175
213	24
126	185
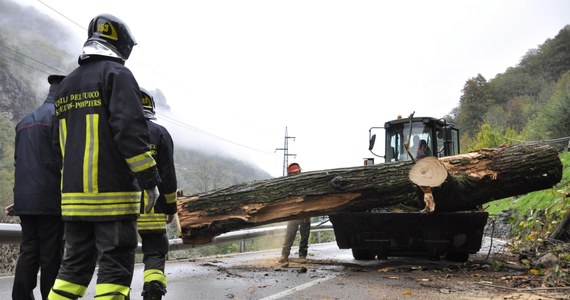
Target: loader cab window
455	141
394	146
440	141
447	141
397	138
441	138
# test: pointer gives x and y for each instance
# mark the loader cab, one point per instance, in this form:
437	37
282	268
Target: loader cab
441	138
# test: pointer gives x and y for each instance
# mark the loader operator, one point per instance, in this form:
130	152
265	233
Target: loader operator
152	225
303	225
423	150
104	142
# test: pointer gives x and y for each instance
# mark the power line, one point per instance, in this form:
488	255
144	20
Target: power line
18	53
549	141
174	83
132	59
23	63
168	118
190	127
64	16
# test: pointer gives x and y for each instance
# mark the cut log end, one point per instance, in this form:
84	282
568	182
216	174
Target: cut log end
428	171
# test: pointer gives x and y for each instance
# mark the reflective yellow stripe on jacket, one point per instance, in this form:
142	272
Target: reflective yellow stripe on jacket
170	198
100	204
91	154
152	221
62	135
141	162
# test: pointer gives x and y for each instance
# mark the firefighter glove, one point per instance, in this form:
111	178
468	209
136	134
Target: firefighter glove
152	196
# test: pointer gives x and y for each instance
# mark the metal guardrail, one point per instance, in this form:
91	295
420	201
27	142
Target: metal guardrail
246	234
11	234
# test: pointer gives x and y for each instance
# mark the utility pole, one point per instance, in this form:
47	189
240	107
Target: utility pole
285	150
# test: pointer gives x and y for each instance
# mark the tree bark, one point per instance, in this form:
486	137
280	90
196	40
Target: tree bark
475	178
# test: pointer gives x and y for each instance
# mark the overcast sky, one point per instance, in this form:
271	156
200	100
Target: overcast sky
238	73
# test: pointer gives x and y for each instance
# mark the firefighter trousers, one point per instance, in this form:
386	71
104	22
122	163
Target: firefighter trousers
109	244
155	249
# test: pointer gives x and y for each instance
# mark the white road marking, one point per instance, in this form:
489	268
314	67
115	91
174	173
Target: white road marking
298	288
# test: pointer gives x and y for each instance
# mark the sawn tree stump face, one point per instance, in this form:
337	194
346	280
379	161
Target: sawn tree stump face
475	178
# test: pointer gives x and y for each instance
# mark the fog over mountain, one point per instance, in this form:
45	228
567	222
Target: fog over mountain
33	45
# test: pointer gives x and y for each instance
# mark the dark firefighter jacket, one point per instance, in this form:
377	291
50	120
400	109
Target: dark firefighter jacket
162	149
104	142
37	176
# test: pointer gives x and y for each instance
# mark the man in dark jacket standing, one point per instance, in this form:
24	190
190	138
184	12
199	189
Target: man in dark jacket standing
107	160
37	199
152	225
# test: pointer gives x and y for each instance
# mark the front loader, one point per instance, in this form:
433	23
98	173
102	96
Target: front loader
402	231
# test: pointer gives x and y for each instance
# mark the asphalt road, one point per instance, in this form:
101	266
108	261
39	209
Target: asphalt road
328	273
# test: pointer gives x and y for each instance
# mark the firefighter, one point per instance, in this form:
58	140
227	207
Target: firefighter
303	225
37	199
152	225
105	146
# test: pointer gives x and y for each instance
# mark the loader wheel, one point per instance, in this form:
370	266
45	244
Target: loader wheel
362	254
457	255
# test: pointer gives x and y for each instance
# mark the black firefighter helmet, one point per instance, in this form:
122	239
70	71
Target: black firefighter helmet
113	32
147	102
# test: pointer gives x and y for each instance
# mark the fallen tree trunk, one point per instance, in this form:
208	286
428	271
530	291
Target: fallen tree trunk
475	178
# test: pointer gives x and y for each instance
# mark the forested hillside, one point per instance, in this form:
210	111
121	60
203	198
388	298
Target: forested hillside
530	101
527	102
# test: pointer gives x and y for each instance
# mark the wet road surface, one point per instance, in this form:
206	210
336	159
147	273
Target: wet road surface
328	273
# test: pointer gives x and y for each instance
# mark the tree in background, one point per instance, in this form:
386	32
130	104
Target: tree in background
495	117
209	176
518	110
474	103
552	59
513	83
529	99
490	137
552	121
